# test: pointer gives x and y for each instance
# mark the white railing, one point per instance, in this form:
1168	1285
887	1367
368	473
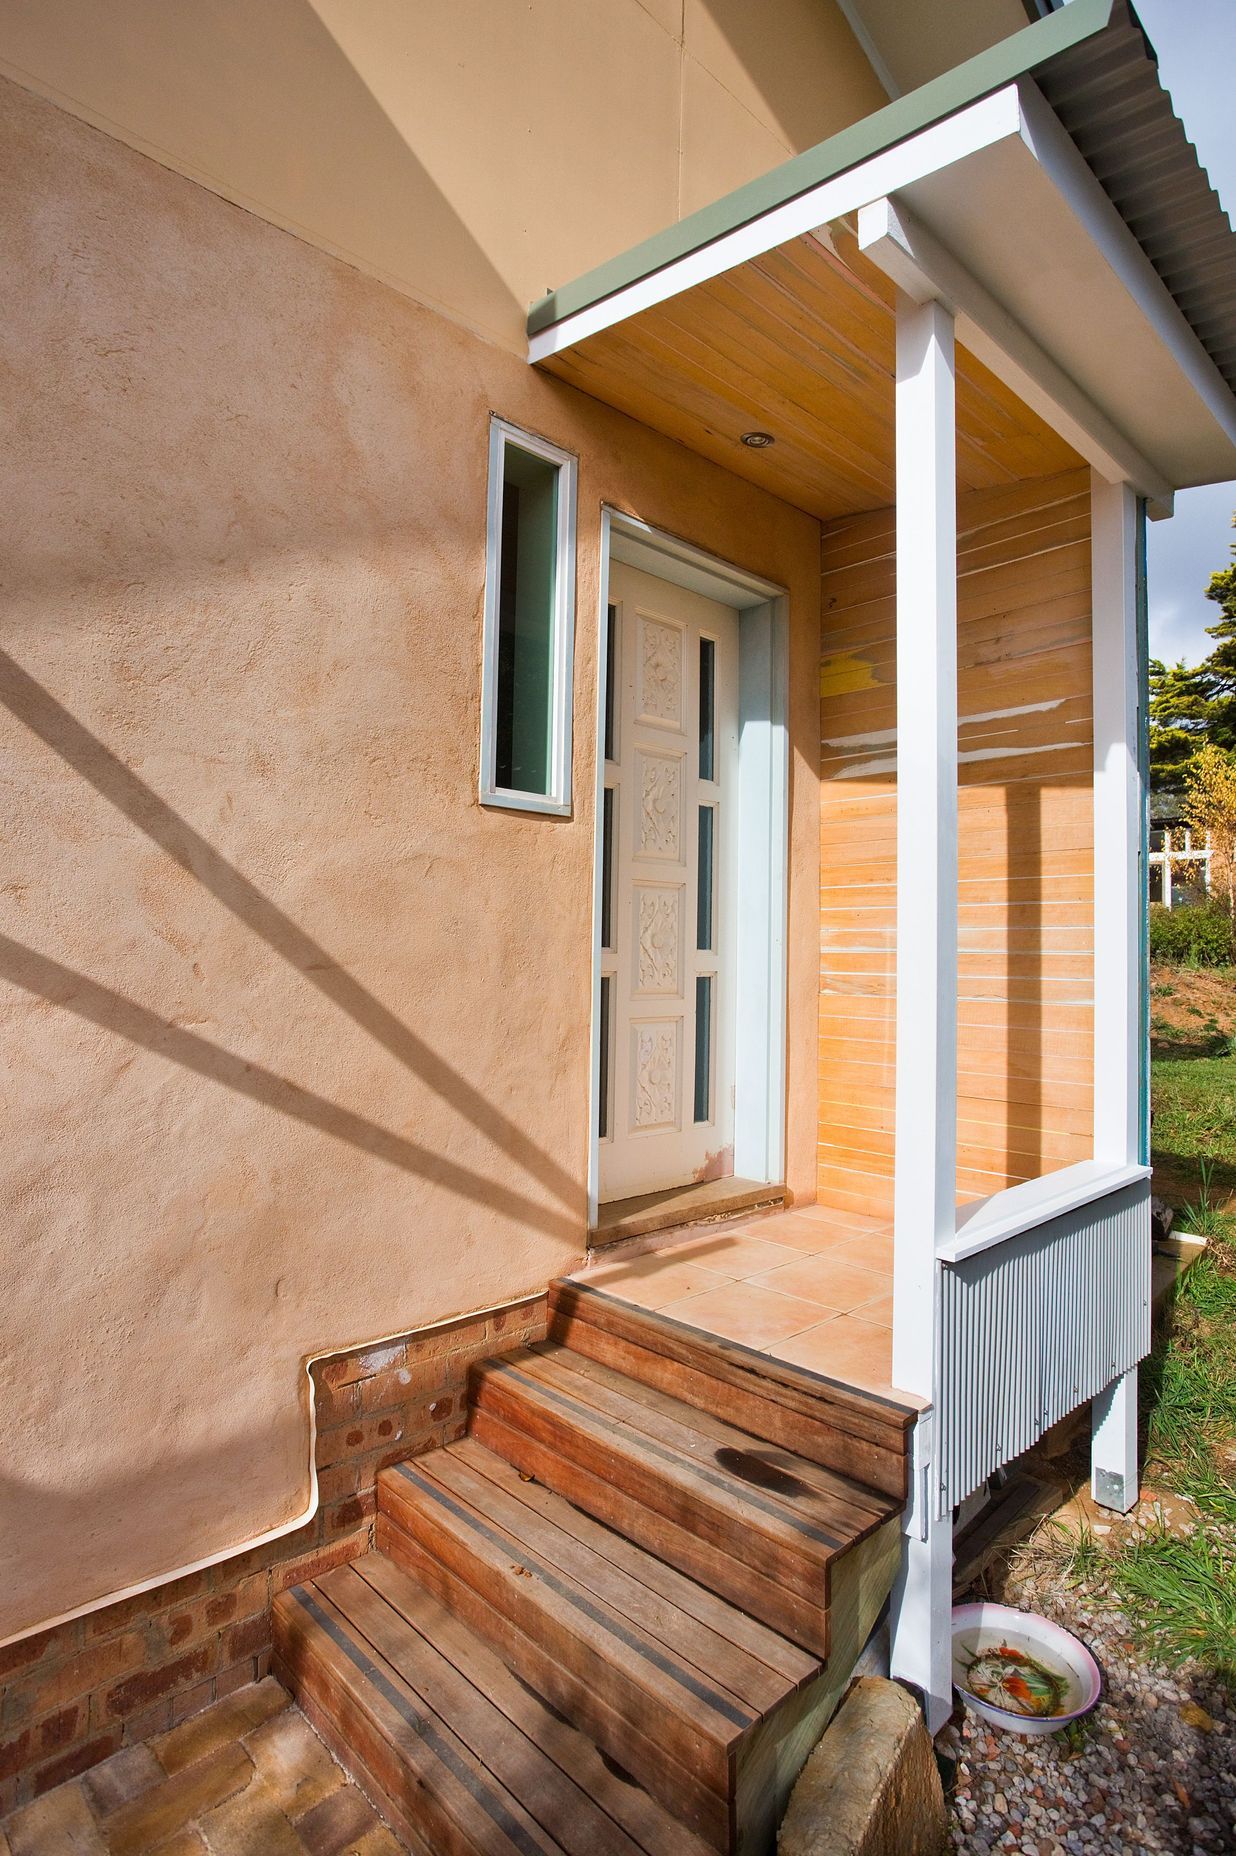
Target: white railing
1044	1302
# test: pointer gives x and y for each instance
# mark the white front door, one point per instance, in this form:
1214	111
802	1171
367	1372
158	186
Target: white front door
669	824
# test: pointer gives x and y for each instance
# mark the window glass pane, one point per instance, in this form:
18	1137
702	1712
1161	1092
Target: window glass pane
708	683
607	867
611	695
703	1047
704	879
603	1058
523	760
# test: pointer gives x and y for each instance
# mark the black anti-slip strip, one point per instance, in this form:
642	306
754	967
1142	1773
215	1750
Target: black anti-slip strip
727	1486
721	1704
424	1729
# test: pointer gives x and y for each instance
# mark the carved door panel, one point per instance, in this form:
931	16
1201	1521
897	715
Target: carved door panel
667	916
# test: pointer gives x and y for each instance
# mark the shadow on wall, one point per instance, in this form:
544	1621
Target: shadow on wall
33	705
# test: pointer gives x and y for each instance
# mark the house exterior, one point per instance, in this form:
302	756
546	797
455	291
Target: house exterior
478	771
1179	857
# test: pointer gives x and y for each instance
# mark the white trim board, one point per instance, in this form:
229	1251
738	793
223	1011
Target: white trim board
763	834
918	263
979	126
987	1222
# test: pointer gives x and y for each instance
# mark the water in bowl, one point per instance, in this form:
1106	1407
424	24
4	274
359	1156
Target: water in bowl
1017	1673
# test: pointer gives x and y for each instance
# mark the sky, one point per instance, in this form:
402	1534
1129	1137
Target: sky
1196	44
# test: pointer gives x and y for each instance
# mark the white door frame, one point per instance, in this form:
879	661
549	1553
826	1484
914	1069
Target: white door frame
763	834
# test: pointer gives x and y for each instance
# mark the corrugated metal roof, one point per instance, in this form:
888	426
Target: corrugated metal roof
1107	92
1098	71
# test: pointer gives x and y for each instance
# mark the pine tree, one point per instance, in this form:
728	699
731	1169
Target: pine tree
1179	721
1218	671
1190	708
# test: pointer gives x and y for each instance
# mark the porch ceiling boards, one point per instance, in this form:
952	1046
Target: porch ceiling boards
799	342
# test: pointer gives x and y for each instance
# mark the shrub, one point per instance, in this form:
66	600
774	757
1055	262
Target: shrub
1191	937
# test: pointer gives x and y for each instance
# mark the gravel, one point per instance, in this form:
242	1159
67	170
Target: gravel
1152	1768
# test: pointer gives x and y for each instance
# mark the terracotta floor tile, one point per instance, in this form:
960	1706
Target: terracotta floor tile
651	1281
735	1254
873	1250
292	1762
797	1233
59	1821
826	1278
742	1312
879	1311
858	1352
843	1220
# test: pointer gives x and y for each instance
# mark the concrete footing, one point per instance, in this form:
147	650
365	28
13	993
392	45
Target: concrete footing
871	1788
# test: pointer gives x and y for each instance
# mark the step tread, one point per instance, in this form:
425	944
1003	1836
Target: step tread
790	1665
850	1509
495	1767
802	1383
590	1599
863	1435
659	1451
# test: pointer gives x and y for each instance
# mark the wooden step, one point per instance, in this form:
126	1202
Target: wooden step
465	1759
754	1523
665	1677
861	1435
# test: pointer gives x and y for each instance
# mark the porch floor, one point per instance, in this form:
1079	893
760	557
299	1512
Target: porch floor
812	1286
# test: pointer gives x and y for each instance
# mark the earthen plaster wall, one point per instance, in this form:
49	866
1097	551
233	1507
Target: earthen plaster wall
295	1034
474	154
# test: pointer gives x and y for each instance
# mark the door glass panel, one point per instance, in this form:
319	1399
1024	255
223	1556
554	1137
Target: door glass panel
607	868
611	666
704	879
603	1058
708	705
703	1047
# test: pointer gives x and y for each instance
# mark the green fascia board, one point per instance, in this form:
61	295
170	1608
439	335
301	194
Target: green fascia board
1016	56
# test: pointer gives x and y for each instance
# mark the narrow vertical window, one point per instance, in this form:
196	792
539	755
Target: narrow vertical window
703	1047
705	885
607	868
529	613
708	704
611	671
603	1058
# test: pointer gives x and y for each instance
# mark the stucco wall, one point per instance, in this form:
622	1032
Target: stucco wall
295	1033
474	154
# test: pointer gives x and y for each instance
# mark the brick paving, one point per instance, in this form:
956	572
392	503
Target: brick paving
246	1777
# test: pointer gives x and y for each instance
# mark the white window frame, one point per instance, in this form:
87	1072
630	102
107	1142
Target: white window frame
557	802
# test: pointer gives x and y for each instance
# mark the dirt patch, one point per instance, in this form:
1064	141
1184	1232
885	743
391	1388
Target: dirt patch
1192	1010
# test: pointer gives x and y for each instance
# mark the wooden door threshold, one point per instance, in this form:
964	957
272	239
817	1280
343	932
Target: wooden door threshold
694	1204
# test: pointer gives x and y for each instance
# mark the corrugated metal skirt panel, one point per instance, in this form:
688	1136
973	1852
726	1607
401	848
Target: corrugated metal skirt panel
1034	1327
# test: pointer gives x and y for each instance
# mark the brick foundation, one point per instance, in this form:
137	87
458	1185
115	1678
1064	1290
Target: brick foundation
71	1696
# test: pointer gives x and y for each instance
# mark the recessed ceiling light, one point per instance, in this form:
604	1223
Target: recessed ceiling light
758	440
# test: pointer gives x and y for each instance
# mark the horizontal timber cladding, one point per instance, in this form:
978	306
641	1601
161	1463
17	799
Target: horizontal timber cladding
1011	1366
1026	934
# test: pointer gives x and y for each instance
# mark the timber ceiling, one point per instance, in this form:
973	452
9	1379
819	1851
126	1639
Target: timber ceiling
800	343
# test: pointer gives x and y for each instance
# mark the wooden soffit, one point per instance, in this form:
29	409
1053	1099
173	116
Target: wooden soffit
799	343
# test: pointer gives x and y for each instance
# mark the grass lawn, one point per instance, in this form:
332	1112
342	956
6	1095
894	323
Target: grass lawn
1183	1587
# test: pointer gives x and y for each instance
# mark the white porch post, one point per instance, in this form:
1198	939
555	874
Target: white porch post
926	1116
1118	879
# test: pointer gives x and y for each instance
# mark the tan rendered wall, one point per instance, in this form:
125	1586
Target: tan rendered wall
474	153
1025	1007
295	1034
